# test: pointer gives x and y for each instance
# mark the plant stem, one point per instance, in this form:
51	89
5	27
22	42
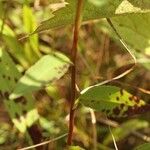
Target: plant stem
35	135
93	119
73	69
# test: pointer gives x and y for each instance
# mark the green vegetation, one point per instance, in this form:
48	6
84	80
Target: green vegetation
75	74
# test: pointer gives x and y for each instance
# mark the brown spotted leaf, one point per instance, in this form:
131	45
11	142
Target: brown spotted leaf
22	110
113	101
48	69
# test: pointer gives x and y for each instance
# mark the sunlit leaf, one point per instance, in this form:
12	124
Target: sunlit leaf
109	8
75	148
113	101
22	110
6	29
48	69
29	26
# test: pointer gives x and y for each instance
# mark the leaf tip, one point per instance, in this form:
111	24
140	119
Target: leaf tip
13	96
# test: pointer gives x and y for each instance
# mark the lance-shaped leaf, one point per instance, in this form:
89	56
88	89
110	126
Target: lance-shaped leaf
48	69
113	101
15	48
22	110
105	9
32	45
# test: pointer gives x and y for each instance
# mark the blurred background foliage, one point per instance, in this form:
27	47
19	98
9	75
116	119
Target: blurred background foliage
100	57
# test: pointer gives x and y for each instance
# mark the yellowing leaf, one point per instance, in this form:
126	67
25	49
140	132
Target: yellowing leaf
113	101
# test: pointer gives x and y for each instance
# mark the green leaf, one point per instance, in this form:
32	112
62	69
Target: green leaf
145	146
75	148
125	129
141	4
6	29
135	30
29	26
15	48
4	132
1	9
109	8
97	2
48	125
22	110
113	101
48	69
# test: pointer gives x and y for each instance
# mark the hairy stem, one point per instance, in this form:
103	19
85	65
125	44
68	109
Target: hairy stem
73	69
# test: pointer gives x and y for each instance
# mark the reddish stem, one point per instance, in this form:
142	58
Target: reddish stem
35	135
73	70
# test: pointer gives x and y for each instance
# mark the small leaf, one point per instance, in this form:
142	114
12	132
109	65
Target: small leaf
113	101
105	9
75	148
48	69
6	29
145	146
